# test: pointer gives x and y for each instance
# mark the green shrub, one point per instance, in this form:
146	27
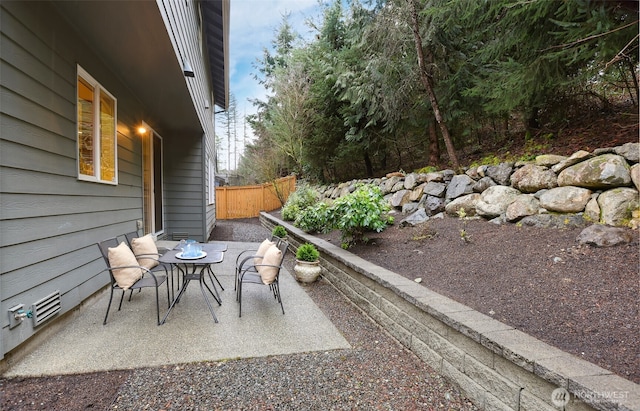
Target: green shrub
427	169
307	252
358	212
303	197
279	231
314	218
490	160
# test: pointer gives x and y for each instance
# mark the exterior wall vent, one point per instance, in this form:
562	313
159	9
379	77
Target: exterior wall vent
46	308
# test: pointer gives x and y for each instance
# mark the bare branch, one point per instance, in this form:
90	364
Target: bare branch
595	36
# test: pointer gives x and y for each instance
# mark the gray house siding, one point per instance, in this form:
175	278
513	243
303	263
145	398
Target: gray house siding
49	220
188	209
183	180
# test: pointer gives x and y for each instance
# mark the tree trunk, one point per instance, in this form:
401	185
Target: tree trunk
434	148
368	164
532	121
427	82
632	72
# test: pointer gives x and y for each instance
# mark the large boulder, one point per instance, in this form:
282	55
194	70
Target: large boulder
604	236
635	175
575	158
435	189
447	175
554	221
467	202
435	176
418	217
532	178
483	184
548	160
473	173
617	204
601	172
398	186
630	151
346	188
417	193
432	204
400	198
410	181
495	200
524	205
409	208
387	185
565	199
500	173
592	209
460	185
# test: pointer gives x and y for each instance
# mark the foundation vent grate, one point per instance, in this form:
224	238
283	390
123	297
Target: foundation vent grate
46	308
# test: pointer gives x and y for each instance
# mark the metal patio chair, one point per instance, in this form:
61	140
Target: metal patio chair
148	278
249	271
245	256
153	256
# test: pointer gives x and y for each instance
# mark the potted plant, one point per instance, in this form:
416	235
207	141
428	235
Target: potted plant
307	266
279	231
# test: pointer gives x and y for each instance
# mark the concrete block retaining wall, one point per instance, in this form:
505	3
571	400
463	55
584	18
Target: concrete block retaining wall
496	366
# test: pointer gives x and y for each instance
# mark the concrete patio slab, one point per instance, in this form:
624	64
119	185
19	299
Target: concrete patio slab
131	338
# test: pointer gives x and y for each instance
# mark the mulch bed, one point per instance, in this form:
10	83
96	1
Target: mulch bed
581	299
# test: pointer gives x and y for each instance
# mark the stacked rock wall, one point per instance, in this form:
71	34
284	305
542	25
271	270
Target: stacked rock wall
600	187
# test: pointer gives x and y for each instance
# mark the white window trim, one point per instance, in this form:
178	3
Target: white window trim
211	184
98	88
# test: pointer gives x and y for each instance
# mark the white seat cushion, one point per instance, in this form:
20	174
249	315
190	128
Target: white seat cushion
121	256
273	256
145	245
262	249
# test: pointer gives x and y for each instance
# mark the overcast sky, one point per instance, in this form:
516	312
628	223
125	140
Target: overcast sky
252	28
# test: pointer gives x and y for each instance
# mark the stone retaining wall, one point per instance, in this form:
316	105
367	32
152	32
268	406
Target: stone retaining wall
598	187
496	366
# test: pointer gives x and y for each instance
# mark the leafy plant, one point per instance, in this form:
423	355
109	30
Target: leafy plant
358	212
314	218
307	252
279	231
303	197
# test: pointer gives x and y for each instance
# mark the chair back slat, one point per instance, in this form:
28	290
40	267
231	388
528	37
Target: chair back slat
283	246
104	248
130	237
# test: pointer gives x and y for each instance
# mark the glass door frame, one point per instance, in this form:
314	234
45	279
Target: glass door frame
152	182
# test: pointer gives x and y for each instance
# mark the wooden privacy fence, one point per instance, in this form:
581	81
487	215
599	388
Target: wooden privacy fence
248	201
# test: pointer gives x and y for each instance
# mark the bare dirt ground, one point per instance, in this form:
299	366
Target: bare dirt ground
582	299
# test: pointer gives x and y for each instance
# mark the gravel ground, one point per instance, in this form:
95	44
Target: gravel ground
377	373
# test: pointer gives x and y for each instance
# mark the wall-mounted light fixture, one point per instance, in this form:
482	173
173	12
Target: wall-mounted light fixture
186	67
206	104
142	130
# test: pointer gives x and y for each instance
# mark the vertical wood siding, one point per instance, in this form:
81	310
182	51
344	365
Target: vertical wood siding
248	201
